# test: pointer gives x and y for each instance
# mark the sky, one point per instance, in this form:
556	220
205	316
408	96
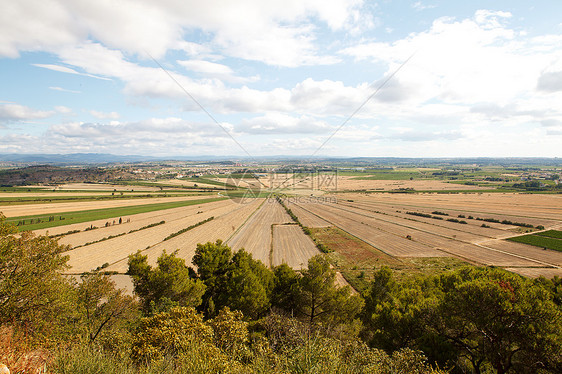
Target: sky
340	78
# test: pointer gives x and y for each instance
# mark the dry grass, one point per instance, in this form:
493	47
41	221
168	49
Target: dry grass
18	356
351	252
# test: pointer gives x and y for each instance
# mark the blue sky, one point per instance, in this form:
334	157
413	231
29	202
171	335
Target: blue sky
281	77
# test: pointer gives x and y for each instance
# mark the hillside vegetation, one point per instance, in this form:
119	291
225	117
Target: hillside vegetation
229	313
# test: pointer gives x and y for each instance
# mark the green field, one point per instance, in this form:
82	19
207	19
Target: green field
392	175
67	218
64	199
551	234
539	240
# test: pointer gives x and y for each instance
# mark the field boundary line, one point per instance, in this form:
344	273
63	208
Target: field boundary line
271	245
244	223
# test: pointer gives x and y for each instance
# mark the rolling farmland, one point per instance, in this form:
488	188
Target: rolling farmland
392	227
382	221
269	238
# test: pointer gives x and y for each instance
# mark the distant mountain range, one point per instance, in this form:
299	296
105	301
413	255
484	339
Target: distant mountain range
106	158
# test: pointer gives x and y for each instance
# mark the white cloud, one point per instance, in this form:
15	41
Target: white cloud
104	115
64	69
277	123
419	6
63	109
550	81
465	62
16	112
277	32
206	67
56	88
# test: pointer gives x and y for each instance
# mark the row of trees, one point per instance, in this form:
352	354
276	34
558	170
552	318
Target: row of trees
236	280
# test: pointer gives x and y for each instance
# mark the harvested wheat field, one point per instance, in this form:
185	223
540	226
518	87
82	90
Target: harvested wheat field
535	208
137	221
403	237
547	256
256	234
347	183
495	230
105	187
186	183
305	217
54	208
391	243
220	227
292	246
537	272
116	249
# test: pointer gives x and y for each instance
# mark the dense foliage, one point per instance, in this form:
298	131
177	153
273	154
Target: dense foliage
232	314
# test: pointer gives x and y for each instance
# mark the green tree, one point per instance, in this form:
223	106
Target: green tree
248	286
32	288
213	261
102	305
321	299
503	320
171	283
235	280
286	290
170	333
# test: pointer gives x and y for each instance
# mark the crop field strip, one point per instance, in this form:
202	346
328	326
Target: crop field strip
138	221
459	247
57	198
118	249
537	272
539	241
435	245
20	211
389	243
256	235
67	218
292	246
472	226
390	223
505	206
547	256
305	217
185	244
470	210
93	255
546	206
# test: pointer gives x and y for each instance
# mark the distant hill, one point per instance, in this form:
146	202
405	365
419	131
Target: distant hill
48	174
73	158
